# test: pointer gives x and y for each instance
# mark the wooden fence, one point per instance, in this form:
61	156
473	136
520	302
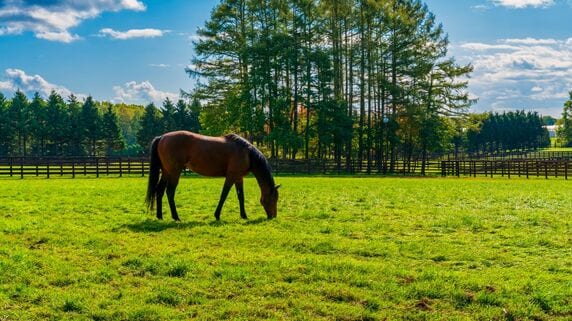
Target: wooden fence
331	167
72	166
540	155
119	166
509	168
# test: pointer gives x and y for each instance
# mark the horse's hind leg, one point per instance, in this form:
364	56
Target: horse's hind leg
240	193
171	187
225	189
160	192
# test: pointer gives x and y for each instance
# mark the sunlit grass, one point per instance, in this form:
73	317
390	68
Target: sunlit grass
341	248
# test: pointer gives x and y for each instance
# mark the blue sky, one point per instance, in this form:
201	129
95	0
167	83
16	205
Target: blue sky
135	51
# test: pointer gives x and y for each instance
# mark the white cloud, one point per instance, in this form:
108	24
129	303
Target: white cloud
16	79
141	93
522	73
133	33
519	4
160	65
52	20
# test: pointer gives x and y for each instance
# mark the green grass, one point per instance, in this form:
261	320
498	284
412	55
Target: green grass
341	249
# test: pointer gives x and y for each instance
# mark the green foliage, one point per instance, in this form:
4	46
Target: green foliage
292	73
111	132
55	127
565	131
151	125
383	249
509	131
90	120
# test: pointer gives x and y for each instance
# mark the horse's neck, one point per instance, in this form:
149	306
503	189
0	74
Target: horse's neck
262	179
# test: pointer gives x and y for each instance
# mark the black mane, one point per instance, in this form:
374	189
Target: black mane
257	159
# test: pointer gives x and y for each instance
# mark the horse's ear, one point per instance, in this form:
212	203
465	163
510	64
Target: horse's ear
277	186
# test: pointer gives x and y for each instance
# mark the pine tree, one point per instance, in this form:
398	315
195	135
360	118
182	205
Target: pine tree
57	121
19	120
5	127
111	132
91	125
168	112
76	134
151	125
38	125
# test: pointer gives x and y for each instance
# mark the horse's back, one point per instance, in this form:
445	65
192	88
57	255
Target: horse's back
205	155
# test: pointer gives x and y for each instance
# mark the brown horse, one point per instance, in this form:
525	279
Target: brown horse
230	156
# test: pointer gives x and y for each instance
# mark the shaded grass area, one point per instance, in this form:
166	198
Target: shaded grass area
341	248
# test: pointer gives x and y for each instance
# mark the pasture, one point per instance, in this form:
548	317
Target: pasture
340	249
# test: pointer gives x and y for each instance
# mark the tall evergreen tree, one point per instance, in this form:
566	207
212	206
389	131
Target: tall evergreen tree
111	133
151	126
75	132
91	125
19	120
58	124
168	116
38	125
5	127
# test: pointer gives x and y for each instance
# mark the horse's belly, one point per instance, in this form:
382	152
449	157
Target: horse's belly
206	170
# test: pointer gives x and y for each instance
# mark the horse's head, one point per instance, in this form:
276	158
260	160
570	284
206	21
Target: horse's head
269	200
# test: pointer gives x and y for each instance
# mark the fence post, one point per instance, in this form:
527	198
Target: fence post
48	167
546	169
21	167
443	174
11	169
120	167
508	168
142	168
565	169
73	168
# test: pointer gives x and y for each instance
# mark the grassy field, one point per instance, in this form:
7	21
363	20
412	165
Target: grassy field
341	249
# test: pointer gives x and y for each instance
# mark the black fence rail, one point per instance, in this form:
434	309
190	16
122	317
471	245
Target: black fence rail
332	167
72	166
536	155
509	168
118	166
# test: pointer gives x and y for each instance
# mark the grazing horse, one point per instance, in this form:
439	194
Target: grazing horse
229	156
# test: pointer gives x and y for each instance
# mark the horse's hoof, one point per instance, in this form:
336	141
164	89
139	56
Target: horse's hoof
244	217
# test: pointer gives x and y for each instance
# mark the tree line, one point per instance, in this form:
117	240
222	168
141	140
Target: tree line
510	131
69	127
58	127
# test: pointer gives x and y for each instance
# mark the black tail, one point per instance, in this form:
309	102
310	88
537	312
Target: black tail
154	171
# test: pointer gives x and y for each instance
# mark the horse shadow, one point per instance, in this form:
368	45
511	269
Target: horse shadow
148	226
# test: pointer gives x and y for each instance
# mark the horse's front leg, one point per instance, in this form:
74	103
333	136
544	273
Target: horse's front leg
240	193
225	189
